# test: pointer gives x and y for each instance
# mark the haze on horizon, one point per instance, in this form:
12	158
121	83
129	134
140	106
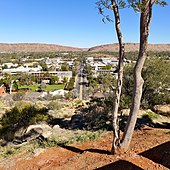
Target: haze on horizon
73	23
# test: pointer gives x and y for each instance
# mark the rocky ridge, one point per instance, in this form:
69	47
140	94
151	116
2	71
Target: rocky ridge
36	47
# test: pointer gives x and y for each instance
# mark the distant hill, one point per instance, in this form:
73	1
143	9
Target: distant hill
130	47
35	47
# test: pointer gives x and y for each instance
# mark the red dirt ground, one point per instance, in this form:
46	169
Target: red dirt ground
153	144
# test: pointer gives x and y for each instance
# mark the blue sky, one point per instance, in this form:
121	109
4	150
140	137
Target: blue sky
73	22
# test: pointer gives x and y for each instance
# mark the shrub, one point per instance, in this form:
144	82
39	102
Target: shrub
150	116
18	96
21	116
70	85
55	105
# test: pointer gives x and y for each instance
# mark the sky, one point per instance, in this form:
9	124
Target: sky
73	23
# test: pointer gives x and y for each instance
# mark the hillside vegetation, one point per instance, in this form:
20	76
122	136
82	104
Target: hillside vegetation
35	47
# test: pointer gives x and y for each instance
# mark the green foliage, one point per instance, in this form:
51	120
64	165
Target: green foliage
107	67
7	152
88	136
79	137
65	79
26	79
156	82
64	67
93	83
160	2
70	85
46	87
106	81
55	105
20	116
94	117
157	78
7	81
54	87
40	118
78	102
44	66
15	86
67	95
125	101
136	5
150	116
54	79
4	67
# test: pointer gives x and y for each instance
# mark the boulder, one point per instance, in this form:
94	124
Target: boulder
162	109
43	129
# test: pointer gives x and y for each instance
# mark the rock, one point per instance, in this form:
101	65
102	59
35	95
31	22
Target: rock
42	129
162	109
56	127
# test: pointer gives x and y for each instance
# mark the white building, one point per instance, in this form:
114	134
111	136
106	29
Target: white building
9	65
22	69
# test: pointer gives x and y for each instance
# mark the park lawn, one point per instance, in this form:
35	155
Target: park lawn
47	88
54	87
32	87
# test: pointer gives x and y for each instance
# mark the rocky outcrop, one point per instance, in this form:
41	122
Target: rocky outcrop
130	47
42	131
162	109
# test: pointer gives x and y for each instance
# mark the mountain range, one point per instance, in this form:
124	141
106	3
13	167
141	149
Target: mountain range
36	47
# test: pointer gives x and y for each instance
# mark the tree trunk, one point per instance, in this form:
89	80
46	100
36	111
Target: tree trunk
116	138
145	19
11	86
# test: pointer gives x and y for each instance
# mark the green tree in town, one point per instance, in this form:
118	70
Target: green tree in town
44	66
65	80
107	67
64	67
54	79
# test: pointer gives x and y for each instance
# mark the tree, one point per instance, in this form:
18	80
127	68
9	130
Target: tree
7	81
64	67
144	7
15	86
113	5
44	66
54	79
106	81
155	89
26	79
157	80
65	80
107	67
4	67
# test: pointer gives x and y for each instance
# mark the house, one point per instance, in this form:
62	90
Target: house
98	66
22	69
2	90
59	92
9	65
59	74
